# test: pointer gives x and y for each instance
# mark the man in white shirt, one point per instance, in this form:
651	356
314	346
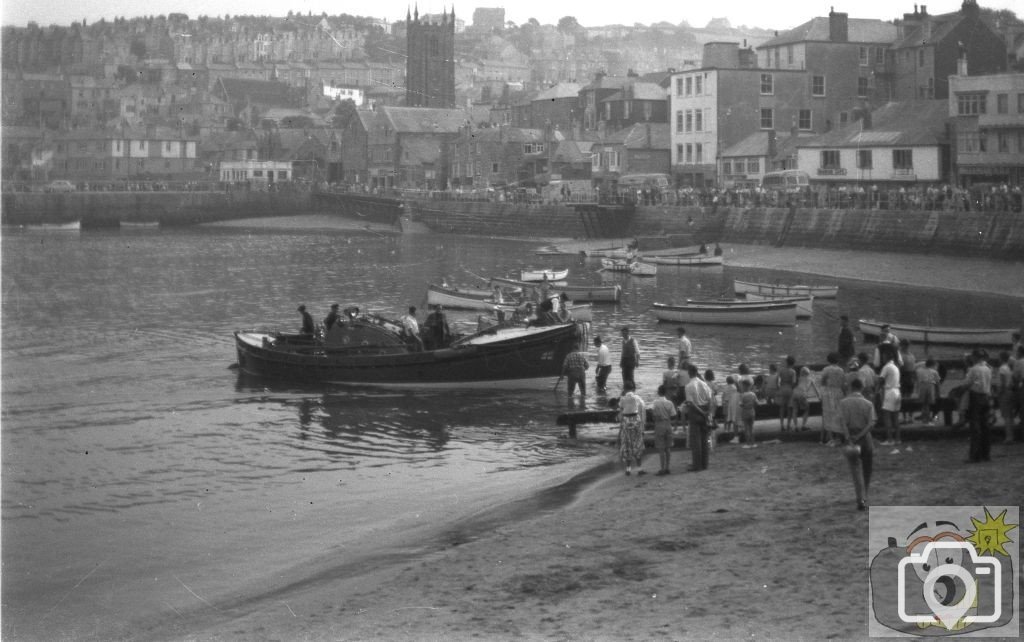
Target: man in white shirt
698	410
978	384
892	400
412	327
685	349
604	365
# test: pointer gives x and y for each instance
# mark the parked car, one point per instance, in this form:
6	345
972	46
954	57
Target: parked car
60	186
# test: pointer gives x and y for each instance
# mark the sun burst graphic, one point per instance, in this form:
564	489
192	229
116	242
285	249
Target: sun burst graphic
989	536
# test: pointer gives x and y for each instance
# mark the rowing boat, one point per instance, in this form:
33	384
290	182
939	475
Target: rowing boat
536	276
698	260
595	293
767	313
817	291
636	268
804	304
937	334
464	299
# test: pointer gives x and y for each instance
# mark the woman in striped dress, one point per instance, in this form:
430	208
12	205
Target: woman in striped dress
632	416
833	389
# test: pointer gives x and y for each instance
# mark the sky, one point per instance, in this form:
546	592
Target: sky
755	13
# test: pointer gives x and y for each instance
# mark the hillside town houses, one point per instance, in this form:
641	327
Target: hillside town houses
441	103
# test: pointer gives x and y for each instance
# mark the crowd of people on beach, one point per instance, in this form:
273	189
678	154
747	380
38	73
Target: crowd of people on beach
858	391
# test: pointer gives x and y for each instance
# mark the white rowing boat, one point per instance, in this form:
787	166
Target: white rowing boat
937	334
636	268
695	260
804	304
536	276
596	293
817	291
767	313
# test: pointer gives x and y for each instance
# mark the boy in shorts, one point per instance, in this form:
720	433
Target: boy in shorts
664	411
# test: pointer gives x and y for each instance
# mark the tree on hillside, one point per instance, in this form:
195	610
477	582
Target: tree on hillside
344	113
568	24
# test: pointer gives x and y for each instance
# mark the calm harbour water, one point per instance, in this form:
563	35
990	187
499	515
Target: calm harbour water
143	477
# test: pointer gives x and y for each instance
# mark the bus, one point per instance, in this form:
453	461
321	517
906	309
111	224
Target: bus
787	180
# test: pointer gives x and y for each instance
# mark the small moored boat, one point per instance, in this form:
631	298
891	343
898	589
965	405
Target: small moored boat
464	299
817	291
698	260
595	293
636	268
767	313
937	334
804	304
536	276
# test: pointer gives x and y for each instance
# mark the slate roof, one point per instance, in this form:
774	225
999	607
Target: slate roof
754	145
572	151
941	26
561	90
426	120
905	123
642	136
863	30
264	92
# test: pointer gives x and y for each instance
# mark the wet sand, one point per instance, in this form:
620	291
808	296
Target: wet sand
767	543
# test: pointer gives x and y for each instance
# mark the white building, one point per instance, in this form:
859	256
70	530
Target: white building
259	172
901	142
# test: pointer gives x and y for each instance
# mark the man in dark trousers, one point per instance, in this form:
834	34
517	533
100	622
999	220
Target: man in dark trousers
307	322
331	318
847	346
630	356
978	386
698	411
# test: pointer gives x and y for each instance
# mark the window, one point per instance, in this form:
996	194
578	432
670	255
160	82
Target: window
698	120
167	146
768	58
767	119
804	121
726	167
753	166
494	168
697	85
767	86
1003	104
1003	142
789	54
903	159
817	85
257	173
863	55
830	159
679	121
689	85
777	52
698	153
920	57
679	153
843	118
970	104
679	86
283	174
864	159
879	56
862	87
1020	103
689	120
689	152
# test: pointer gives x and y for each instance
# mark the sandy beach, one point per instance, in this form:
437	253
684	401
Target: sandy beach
766	544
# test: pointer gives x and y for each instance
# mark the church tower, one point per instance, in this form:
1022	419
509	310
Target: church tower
430	65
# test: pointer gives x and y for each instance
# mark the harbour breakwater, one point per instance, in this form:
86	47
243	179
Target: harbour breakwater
169	208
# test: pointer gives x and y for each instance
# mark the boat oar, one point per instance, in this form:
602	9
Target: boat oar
557	382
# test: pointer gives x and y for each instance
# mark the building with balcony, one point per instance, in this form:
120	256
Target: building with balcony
987	115
899	143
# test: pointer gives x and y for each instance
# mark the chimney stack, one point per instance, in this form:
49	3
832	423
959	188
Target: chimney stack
838	27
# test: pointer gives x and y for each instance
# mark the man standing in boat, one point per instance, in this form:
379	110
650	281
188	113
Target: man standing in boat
412	327
331	318
307	322
437	334
685	349
847	344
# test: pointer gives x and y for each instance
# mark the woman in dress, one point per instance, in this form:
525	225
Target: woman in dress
632	416
833	389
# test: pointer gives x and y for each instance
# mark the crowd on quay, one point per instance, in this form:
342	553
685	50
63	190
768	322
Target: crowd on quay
858	392
943	198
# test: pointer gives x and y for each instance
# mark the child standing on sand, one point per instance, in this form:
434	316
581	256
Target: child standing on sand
927	389
731	405
799	401
664	411
748	407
